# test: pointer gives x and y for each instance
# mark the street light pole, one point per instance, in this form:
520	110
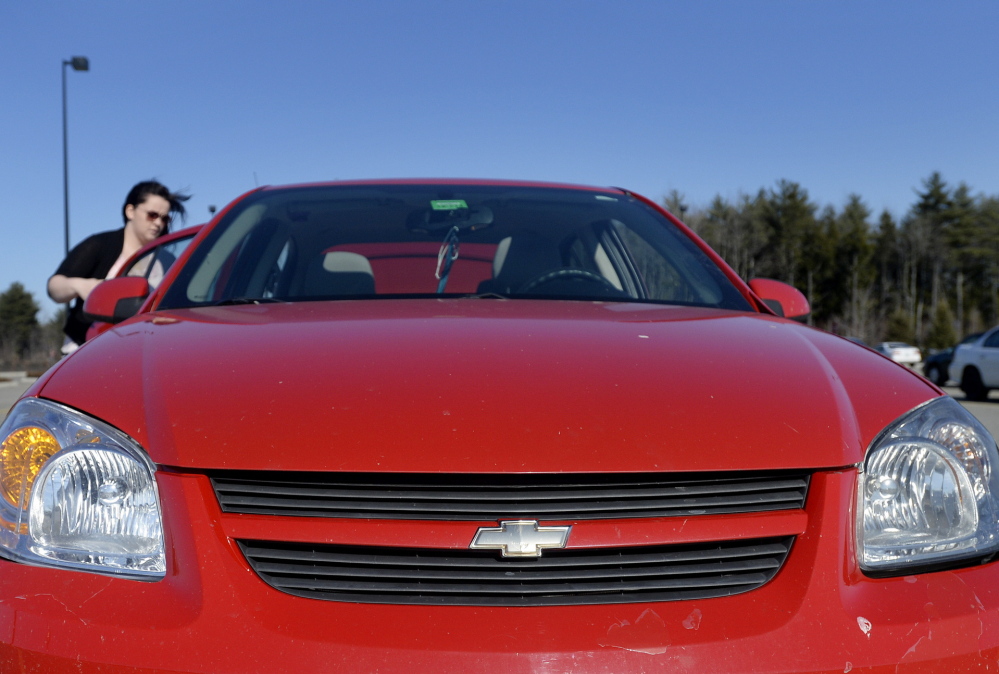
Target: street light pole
79	63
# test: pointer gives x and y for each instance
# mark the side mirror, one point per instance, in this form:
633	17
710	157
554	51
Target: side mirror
116	299
785	300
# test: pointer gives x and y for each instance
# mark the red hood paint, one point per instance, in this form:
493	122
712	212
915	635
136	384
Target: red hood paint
485	386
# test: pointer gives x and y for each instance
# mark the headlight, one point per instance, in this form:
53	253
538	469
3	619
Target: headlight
77	493
927	493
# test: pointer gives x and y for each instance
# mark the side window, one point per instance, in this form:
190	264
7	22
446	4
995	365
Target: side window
674	274
141	266
595	260
992	341
155	264
276	275
661	278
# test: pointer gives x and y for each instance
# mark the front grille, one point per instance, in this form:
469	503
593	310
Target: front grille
476	578
477	497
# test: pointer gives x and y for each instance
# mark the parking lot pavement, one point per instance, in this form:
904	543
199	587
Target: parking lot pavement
12	385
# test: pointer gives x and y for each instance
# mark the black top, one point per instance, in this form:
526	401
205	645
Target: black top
91	258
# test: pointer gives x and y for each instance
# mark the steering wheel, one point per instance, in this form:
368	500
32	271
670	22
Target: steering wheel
568	274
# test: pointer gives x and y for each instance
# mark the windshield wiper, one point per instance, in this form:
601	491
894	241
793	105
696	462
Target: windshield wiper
247	300
488	296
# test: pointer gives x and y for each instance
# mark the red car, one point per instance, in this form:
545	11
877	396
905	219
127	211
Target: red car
468	426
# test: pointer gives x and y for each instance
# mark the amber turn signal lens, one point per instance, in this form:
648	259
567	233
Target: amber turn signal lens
22	455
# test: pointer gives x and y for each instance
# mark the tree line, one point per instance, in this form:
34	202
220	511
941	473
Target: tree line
926	279
26	343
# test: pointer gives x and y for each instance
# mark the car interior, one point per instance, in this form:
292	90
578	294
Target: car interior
318	245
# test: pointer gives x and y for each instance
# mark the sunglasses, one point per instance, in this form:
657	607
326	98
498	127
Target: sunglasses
152	216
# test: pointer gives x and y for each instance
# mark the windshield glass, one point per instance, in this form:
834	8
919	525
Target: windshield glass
356	242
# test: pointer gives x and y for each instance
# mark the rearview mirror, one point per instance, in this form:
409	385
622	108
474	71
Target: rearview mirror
447	213
116	299
785	300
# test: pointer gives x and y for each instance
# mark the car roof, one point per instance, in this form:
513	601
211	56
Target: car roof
447	181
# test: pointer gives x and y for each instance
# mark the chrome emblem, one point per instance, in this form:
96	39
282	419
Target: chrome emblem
520	538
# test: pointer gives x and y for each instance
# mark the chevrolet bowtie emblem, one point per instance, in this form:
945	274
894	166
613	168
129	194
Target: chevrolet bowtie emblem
520	538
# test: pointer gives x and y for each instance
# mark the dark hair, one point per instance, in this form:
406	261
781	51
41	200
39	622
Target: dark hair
141	191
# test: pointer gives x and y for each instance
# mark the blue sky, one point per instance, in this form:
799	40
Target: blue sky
708	97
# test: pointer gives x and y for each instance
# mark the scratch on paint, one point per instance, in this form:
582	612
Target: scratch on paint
865	625
978	604
53	598
912	649
646	635
978	600
693	621
98	592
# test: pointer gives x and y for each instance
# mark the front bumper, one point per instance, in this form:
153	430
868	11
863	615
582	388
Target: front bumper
213	614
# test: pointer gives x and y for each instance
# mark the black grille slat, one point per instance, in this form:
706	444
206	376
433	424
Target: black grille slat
552	516
487	510
448	492
425	558
325	585
559	577
742	566
492	497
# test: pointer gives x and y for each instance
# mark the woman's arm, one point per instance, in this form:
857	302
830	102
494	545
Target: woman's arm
85	266
68	288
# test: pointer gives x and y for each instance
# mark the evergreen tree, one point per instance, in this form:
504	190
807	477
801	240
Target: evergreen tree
941	334
987	213
817	270
899	328
854	254
935	198
888	262
896	282
675	203
788	215
734	231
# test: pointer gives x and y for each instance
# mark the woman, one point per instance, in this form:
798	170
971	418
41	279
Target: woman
147	212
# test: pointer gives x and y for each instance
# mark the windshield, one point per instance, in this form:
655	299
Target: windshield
357	242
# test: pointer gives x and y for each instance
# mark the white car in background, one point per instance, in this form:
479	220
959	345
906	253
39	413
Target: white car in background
975	365
900	352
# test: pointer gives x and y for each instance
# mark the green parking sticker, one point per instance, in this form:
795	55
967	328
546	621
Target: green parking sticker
448	204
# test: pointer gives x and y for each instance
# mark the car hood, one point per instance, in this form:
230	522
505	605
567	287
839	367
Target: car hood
485	385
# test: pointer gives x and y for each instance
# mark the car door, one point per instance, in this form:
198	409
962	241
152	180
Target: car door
152	262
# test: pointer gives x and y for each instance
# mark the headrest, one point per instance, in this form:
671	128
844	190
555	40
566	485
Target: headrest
339	261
